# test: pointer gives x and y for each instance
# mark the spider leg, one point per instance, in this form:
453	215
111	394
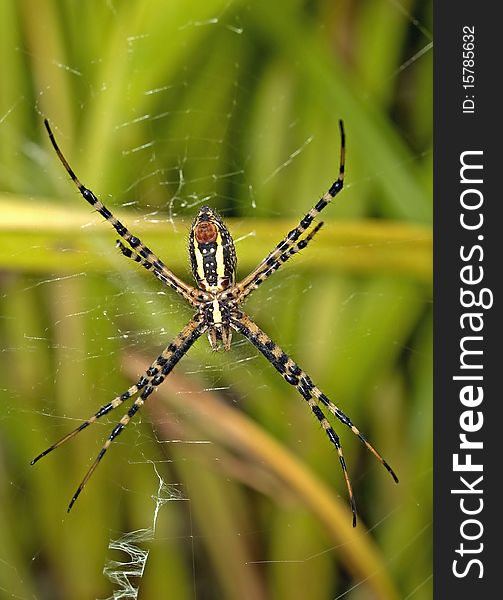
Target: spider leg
105	409
175	282
343	418
290	239
161	274
269	269
115	432
295	376
154	376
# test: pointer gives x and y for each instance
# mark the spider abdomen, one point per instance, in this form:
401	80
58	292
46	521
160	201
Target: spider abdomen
211	251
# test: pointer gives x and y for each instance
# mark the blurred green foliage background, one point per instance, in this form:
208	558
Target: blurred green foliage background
161	107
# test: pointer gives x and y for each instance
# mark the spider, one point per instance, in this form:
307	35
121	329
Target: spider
217	301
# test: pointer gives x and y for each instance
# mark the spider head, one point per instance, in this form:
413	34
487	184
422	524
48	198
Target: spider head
212	253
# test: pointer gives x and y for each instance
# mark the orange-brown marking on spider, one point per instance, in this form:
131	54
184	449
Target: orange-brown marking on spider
206	232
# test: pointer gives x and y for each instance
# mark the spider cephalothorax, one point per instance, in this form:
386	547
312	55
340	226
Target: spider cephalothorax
217	301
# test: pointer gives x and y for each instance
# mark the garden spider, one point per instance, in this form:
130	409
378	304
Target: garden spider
217	300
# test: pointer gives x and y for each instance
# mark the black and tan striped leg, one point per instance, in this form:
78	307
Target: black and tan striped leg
295	376
176	283
105	409
159	271
291	238
153	377
343	418
267	271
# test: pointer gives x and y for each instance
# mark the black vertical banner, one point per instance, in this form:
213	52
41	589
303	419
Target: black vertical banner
468	239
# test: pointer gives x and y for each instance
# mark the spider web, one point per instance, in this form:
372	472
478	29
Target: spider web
96	329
